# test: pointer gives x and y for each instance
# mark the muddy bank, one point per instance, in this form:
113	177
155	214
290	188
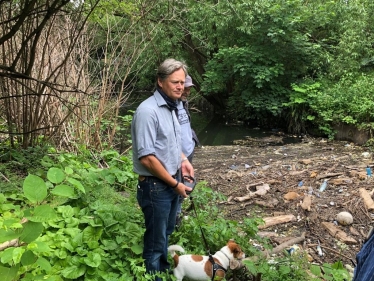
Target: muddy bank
291	176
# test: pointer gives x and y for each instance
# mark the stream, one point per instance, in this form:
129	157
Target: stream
219	132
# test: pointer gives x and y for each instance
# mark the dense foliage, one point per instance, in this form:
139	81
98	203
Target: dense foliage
69	68
249	61
75	217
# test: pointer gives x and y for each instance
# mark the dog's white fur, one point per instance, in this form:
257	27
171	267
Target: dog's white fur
197	267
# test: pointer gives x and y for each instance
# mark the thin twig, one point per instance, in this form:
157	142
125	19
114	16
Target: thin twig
4	177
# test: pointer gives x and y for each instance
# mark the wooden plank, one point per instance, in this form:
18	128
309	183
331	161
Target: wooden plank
338	233
270	221
369	203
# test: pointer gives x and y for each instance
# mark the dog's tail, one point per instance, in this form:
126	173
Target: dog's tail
175	248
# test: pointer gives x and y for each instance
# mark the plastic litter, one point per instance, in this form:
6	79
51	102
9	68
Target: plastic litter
368	171
323	186
293	249
300	184
319	249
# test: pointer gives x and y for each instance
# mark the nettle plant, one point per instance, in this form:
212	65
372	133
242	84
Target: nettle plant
54	230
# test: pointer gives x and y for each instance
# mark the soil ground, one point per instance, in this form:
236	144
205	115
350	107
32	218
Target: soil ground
236	170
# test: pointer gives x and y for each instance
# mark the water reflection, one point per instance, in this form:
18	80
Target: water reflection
221	133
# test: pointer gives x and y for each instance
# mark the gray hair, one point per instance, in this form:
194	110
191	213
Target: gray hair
169	66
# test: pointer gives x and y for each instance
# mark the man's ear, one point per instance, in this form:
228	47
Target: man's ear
159	83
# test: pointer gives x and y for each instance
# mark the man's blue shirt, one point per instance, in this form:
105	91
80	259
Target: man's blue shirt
156	131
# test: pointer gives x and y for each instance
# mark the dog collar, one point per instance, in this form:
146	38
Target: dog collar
225	255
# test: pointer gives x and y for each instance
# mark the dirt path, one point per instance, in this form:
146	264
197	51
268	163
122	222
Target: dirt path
236	171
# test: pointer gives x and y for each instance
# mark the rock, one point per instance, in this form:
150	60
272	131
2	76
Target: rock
344	218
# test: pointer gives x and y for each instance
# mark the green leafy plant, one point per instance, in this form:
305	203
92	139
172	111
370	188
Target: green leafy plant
69	222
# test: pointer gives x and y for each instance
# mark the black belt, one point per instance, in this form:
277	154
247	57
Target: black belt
141	178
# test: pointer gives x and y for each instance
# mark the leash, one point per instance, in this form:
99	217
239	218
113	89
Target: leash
215	266
201	230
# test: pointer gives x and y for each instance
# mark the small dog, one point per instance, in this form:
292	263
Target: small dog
201	267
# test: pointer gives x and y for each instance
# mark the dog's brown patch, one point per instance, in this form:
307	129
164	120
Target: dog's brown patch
176	260
196	258
208	268
235	249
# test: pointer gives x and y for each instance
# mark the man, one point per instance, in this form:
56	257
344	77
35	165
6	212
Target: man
364	270
189	138
158	159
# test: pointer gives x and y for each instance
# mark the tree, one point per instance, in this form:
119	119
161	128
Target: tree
40	74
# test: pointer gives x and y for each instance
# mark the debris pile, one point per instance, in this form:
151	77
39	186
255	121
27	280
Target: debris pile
318	194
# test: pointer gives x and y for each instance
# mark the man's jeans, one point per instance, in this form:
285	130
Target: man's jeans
159	205
364	270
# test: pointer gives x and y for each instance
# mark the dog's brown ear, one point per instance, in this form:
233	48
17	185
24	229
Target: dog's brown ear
231	241
234	264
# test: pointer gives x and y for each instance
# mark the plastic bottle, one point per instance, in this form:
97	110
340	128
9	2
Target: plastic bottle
323	186
300	184
368	171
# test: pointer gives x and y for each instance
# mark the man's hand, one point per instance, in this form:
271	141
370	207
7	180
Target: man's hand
181	190
187	169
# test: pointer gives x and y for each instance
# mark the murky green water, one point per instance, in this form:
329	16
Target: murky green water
219	133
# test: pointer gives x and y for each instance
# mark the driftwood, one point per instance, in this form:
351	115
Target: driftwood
341	181
367	199
292	195
248	186
328	175
270	221
286	244
261	190
306	161
269	204
307	202
296	173
267	234
267	253
337	233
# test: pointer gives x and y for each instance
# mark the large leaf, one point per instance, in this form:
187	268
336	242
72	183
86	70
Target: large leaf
77	184
28	258
137	249
64	190
73	272
31	231
55	175
39	246
93	259
7	235
92	233
34	189
44	264
7	255
8	273
41	213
